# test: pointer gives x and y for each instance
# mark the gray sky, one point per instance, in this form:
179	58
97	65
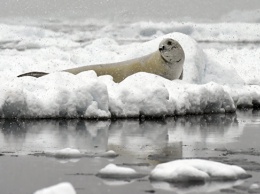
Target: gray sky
125	9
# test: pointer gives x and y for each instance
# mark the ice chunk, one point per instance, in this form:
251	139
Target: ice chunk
108	154
112	171
61	188
196	170
65	153
254	186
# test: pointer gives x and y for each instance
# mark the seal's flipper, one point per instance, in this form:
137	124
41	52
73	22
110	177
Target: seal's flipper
181	76
33	74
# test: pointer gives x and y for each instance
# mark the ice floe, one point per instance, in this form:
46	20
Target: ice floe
187	170
215	80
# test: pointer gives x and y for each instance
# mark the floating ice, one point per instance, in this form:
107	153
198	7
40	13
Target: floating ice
61	188
196	170
65	153
254	186
112	171
108	154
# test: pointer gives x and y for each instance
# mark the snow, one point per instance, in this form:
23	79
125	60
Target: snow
61	188
55	95
216	79
113	171
196	170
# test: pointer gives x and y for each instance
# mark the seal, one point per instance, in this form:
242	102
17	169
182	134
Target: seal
167	62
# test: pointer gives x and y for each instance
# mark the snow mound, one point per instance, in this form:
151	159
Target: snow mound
136	96
65	153
55	95
61	188
196	170
112	171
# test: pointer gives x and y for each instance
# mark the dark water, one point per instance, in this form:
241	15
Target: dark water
230	138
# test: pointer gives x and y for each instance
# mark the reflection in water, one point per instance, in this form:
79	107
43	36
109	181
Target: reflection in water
205	132
205	128
148	139
249	116
141	139
26	136
207	187
140	144
114	182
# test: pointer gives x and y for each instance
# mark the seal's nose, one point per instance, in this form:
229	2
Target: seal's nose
161	48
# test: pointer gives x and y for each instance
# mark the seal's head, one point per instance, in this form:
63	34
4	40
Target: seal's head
171	51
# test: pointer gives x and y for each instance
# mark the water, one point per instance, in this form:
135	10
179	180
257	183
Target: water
141	144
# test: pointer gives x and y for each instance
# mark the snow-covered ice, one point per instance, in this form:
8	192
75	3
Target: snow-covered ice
112	171
61	188
196	170
216	79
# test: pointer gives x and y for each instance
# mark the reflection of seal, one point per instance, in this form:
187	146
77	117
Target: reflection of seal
166	62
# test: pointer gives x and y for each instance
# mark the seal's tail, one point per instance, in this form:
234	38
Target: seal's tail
33	74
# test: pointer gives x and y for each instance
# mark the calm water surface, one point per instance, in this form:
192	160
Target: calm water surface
141	144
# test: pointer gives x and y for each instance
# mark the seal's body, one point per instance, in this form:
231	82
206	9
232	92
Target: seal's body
166	62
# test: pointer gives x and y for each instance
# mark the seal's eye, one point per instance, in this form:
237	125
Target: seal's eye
169	43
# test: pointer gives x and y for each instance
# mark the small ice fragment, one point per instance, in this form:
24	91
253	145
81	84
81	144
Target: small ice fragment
254	186
109	154
65	153
117	172
61	188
